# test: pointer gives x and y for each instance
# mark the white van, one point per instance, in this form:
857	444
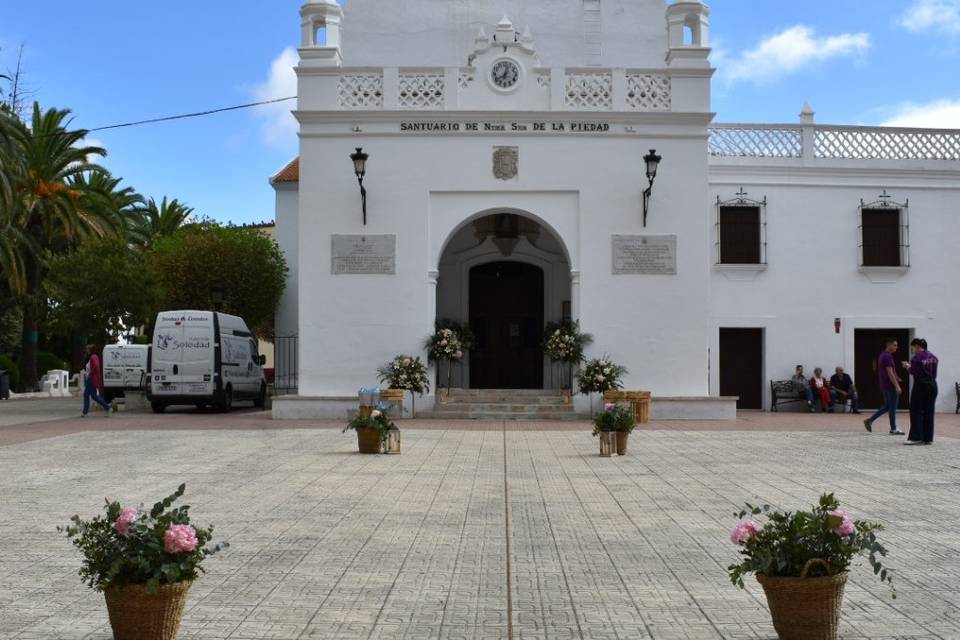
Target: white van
204	358
124	368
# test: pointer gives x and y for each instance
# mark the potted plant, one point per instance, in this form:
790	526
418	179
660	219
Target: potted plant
617	419
802	559
144	561
599	375
445	346
371	429
563	343
402	374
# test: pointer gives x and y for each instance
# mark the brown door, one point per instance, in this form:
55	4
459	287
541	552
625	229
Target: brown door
867	345
506	315
741	366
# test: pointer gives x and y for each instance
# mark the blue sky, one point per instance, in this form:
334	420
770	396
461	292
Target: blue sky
111	61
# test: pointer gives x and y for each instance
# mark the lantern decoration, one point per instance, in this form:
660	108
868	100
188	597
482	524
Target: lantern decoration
393	440
608	443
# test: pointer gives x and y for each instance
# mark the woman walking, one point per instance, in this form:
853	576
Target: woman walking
93	382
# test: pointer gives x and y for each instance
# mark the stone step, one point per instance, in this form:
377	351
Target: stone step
503	408
499	415
506	399
454	393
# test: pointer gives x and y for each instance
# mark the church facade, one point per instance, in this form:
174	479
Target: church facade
511	180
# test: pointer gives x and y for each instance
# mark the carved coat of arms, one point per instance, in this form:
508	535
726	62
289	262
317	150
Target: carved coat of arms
506	162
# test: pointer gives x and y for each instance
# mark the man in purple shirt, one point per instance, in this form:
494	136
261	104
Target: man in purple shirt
889	385
923	399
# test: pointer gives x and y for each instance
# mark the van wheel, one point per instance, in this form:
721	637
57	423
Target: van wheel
226	399
157	407
261	400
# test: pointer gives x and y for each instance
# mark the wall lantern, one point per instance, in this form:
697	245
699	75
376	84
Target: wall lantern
216	294
360	168
836	325
652	161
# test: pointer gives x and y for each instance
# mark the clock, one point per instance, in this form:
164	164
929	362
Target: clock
505	74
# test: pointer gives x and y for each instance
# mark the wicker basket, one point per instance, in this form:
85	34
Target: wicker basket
622	437
805	608
138	615
368	440
639	399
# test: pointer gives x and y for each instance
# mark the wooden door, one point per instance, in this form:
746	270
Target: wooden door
867	345
741	366
506	315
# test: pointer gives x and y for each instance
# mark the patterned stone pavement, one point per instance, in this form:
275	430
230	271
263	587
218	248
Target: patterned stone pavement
478	534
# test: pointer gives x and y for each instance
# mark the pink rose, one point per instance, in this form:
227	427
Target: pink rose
124	520
743	532
180	538
609	406
846	527
459	354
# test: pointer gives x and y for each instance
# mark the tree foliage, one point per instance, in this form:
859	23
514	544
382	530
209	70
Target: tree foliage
103	286
248	265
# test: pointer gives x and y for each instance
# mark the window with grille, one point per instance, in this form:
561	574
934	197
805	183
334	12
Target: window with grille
741	231
884	234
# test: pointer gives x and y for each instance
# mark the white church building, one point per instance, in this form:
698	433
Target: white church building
507	145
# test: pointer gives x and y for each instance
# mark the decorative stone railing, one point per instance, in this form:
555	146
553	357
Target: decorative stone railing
449	88
833	142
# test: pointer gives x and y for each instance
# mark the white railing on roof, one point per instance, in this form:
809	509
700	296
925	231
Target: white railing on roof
833	142
439	88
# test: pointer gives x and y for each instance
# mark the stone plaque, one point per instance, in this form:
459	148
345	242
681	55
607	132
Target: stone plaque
645	255
364	255
506	162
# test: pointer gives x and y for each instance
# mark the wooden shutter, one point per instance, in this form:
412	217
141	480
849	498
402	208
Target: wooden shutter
881	238
740	235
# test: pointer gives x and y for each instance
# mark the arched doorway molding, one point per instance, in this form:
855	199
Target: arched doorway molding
448	232
453	289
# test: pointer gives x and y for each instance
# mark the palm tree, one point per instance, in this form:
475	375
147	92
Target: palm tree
53	203
161	220
124	203
12	238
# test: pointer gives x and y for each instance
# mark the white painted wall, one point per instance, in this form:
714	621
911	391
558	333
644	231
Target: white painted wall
288	223
442	32
813	275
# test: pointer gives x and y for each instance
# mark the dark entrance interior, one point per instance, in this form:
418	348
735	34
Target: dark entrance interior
741	366
867	345
506	315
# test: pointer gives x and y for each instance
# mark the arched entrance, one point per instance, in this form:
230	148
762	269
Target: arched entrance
504	275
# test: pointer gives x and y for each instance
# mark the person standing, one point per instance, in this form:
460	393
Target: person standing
842	383
923	400
889	386
93	382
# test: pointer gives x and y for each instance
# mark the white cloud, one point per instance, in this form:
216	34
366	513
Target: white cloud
280	127
941	114
932	15
788	52
91	142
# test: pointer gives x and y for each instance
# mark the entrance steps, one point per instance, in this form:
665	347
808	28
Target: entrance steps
503	404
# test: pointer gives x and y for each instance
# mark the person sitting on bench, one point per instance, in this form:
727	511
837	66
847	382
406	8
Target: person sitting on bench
820	387
803	386
842	384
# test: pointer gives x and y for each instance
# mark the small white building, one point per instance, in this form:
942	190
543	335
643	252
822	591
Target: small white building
505	189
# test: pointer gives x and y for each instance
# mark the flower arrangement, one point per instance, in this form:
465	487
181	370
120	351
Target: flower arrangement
134	546
564	342
406	372
378	419
599	375
614	417
444	344
463	331
790	540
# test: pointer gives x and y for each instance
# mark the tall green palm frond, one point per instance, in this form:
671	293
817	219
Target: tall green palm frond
163	219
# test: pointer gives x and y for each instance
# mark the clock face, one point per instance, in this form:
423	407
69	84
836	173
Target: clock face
505	74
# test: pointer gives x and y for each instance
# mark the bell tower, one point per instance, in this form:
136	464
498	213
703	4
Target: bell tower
320	33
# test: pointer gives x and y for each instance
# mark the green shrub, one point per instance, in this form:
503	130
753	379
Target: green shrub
141	339
7	364
47	361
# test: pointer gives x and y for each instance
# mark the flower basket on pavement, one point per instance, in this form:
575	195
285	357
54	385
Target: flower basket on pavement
372	426
145	562
801	559
404	373
615	422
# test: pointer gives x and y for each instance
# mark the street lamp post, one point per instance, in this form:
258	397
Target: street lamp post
360	168
652	161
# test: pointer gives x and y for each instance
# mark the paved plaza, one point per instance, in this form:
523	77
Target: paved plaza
476	532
